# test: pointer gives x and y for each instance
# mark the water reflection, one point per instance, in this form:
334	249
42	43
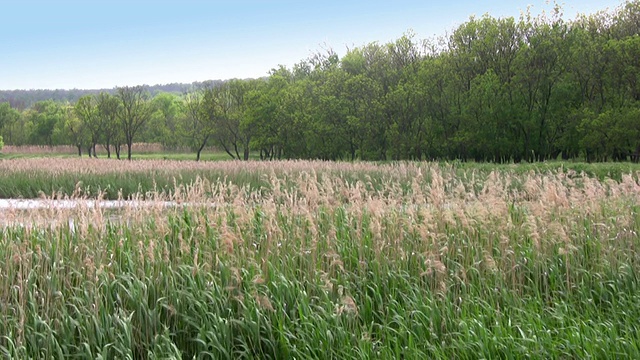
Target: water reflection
36	204
66	212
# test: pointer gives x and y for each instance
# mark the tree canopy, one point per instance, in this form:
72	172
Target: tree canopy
495	89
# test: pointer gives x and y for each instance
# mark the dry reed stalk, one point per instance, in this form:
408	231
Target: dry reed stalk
102	166
140	148
301	193
38	149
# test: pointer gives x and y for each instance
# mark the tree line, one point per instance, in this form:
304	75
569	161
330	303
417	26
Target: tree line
494	89
23	99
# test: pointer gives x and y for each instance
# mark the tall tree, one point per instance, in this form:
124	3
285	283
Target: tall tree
86	110
240	93
227	105
75	130
8	117
134	111
42	118
108	109
163	126
198	125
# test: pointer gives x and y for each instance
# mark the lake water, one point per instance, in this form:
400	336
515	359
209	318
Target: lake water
23	212
38	204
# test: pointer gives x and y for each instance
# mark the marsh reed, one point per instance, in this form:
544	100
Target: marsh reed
333	261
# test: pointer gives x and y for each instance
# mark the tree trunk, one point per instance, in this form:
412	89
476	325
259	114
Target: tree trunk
199	151
226	149
202	145
235	147
129	145
79	150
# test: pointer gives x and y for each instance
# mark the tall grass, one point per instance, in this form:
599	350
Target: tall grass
319	263
111	179
141	151
72	150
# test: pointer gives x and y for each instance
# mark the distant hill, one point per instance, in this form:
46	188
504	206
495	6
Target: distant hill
23	99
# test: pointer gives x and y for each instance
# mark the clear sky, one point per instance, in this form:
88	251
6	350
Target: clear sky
88	44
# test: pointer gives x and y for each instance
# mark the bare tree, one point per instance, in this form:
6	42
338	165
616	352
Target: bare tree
135	111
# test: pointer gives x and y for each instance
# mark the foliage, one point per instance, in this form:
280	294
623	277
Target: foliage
134	111
529	89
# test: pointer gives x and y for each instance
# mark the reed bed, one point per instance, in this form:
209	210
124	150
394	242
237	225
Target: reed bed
328	261
112	179
39	149
37	177
72	150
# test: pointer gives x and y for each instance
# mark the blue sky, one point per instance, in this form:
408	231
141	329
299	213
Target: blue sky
102	44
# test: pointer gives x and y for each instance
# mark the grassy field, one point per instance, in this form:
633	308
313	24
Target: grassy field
318	260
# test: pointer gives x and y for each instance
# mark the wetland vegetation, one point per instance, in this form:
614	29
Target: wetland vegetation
330	260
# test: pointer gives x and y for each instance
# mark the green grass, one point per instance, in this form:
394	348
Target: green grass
4	156
304	277
613	170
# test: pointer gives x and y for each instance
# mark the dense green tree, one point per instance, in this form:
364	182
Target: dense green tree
267	115
75	130
43	117
495	89
240	94
227	106
8	118
162	127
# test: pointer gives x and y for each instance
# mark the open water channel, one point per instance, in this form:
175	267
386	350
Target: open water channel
29	212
